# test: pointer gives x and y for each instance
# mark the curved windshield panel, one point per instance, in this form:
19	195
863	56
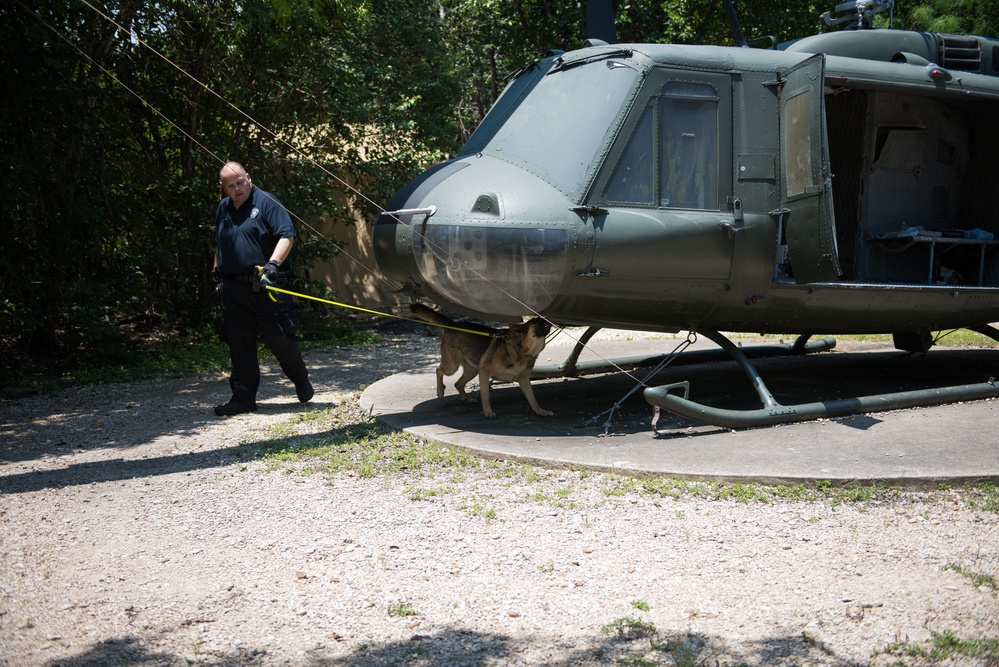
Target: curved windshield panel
559	126
505	105
505	271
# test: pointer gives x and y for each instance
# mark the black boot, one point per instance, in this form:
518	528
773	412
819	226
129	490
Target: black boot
234	407
305	391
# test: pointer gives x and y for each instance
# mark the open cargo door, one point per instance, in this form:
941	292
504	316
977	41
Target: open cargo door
806	186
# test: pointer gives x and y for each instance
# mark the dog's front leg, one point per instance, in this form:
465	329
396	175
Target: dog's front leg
484	393
441	372
525	386
467	373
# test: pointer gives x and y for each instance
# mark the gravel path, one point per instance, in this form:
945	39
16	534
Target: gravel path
134	529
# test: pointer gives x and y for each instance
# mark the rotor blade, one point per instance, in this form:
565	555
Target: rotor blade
600	21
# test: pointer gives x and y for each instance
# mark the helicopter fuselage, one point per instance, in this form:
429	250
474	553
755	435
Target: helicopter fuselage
667	188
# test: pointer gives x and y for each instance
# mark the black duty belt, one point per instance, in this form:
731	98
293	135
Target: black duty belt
240	277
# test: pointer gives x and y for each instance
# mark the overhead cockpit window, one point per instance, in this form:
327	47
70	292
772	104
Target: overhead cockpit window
689	146
559	126
634	179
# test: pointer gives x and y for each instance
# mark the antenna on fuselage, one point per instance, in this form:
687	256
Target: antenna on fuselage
733	20
600	21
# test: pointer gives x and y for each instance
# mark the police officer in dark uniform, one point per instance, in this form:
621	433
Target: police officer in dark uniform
253	229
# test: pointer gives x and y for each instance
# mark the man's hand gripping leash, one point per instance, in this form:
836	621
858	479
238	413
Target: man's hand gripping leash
269	276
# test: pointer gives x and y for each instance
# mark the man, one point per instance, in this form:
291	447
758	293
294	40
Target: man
253	229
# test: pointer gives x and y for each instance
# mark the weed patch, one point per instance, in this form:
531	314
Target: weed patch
945	645
978	579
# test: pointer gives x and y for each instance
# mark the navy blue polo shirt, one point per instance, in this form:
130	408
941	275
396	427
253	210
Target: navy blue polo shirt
246	236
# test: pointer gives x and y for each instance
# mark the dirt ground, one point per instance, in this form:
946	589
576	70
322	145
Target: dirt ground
138	528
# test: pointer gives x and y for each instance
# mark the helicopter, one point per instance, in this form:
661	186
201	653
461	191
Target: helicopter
838	183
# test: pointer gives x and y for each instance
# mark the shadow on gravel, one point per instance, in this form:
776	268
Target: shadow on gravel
118	469
464	648
130	651
113	470
114	651
128	415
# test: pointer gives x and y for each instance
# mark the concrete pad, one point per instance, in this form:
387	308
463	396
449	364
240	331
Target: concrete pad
602	422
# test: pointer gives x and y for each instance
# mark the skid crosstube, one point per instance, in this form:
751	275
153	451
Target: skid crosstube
773	412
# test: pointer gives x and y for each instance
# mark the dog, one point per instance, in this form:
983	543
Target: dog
507	355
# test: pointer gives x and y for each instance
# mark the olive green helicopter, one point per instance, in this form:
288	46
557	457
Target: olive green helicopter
840	183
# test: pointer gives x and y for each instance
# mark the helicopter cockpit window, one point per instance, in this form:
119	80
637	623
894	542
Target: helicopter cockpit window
558	128
634	179
689	146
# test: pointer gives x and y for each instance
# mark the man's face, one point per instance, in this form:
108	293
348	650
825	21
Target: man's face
236	185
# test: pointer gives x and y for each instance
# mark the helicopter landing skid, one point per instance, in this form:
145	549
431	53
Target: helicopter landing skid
772	412
572	367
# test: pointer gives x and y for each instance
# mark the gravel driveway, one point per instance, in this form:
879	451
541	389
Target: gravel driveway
138	528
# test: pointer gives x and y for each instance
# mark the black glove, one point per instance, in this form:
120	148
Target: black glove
270	274
216	295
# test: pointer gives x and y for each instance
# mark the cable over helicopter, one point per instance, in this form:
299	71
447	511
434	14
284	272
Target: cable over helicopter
838	184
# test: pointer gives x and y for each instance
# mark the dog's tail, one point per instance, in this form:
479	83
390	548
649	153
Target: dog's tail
430	315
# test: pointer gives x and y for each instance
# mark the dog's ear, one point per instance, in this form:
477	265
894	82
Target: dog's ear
540	324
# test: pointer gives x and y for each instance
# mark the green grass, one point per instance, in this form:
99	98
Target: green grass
978	579
419	493
983	496
630	627
945	645
558	499
680	650
476	507
949	338
667	487
367	448
402	609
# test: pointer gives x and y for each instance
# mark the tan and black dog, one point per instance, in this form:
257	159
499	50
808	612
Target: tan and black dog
507	355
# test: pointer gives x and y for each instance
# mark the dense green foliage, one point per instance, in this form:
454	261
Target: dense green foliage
114	124
117	114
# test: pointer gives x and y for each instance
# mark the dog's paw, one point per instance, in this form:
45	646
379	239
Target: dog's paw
545	413
489	414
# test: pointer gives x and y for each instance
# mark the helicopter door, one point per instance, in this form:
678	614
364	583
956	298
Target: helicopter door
808	222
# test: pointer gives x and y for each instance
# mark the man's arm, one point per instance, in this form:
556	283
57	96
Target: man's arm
282	249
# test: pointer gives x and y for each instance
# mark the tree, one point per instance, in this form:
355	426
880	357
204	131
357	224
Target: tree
978	17
118	117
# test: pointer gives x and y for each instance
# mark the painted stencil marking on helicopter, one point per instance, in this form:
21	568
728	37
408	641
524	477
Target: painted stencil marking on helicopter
840	183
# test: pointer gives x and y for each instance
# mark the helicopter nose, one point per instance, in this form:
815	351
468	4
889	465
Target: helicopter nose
498	252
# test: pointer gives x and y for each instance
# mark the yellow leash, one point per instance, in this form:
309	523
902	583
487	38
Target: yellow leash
373	312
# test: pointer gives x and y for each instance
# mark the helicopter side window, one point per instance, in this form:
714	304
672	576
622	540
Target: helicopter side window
797	133
633	181
689	146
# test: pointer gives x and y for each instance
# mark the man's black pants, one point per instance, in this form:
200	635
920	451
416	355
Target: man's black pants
249	315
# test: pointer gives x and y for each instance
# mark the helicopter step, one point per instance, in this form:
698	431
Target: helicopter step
773	412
